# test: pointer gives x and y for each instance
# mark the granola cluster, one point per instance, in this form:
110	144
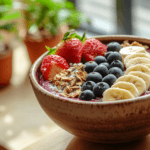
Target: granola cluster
69	81
126	43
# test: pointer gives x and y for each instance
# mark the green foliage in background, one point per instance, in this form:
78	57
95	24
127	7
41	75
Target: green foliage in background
7	16
50	14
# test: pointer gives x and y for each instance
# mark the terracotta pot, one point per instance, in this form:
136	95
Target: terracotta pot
5	67
37	48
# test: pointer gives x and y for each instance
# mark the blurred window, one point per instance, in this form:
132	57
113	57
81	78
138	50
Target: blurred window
117	16
102	14
141	17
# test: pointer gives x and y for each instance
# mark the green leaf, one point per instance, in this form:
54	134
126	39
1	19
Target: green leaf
66	35
73	35
78	37
51	50
83	37
11	16
51	14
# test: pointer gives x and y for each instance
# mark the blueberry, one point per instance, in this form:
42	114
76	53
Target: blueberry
114	56
109	79
105	64
113	46
117	63
99	88
107	54
88	85
87	95
89	66
94	76
100	59
116	71
103	70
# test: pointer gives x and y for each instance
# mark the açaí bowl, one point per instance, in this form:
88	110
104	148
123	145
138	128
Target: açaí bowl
104	122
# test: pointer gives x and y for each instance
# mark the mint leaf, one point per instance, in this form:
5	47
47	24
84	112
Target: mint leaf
51	50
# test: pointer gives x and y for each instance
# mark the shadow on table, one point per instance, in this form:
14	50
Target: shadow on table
80	144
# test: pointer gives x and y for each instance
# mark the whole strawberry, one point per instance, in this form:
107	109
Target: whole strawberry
93	48
70	48
51	65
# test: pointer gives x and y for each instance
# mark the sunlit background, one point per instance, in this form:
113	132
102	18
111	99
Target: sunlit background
22	121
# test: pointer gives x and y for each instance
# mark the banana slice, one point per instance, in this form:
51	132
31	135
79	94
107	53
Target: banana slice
138	82
145	55
138	60
148	65
125	51
127	86
113	94
142	75
139	67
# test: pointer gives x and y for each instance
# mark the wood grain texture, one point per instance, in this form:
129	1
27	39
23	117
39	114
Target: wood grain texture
62	140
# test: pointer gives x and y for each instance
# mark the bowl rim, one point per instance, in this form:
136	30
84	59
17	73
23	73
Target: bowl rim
37	63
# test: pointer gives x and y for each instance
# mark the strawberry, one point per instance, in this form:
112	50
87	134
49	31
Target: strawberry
93	48
70	47
51	65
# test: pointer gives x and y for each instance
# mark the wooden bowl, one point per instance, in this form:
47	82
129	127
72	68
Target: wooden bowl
103	122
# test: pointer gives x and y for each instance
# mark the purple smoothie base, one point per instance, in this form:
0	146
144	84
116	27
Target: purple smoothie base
46	85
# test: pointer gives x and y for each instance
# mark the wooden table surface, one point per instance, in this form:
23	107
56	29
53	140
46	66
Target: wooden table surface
24	125
62	140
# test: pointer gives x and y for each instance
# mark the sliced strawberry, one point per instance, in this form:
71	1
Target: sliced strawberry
51	65
93	48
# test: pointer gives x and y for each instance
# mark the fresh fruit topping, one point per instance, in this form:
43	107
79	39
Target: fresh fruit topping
100	59
117	63
137	60
88	85
87	95
94	76
71	50
93	48
127	86
105	64
116	71
103	70
138	82
114	56
142	75
99	88
113	46
125	51
145	55
70	47
138	67
109	79
51	65
89	66
107	54
113	94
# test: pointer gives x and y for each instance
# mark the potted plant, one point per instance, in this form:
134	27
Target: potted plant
47	21
7	30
